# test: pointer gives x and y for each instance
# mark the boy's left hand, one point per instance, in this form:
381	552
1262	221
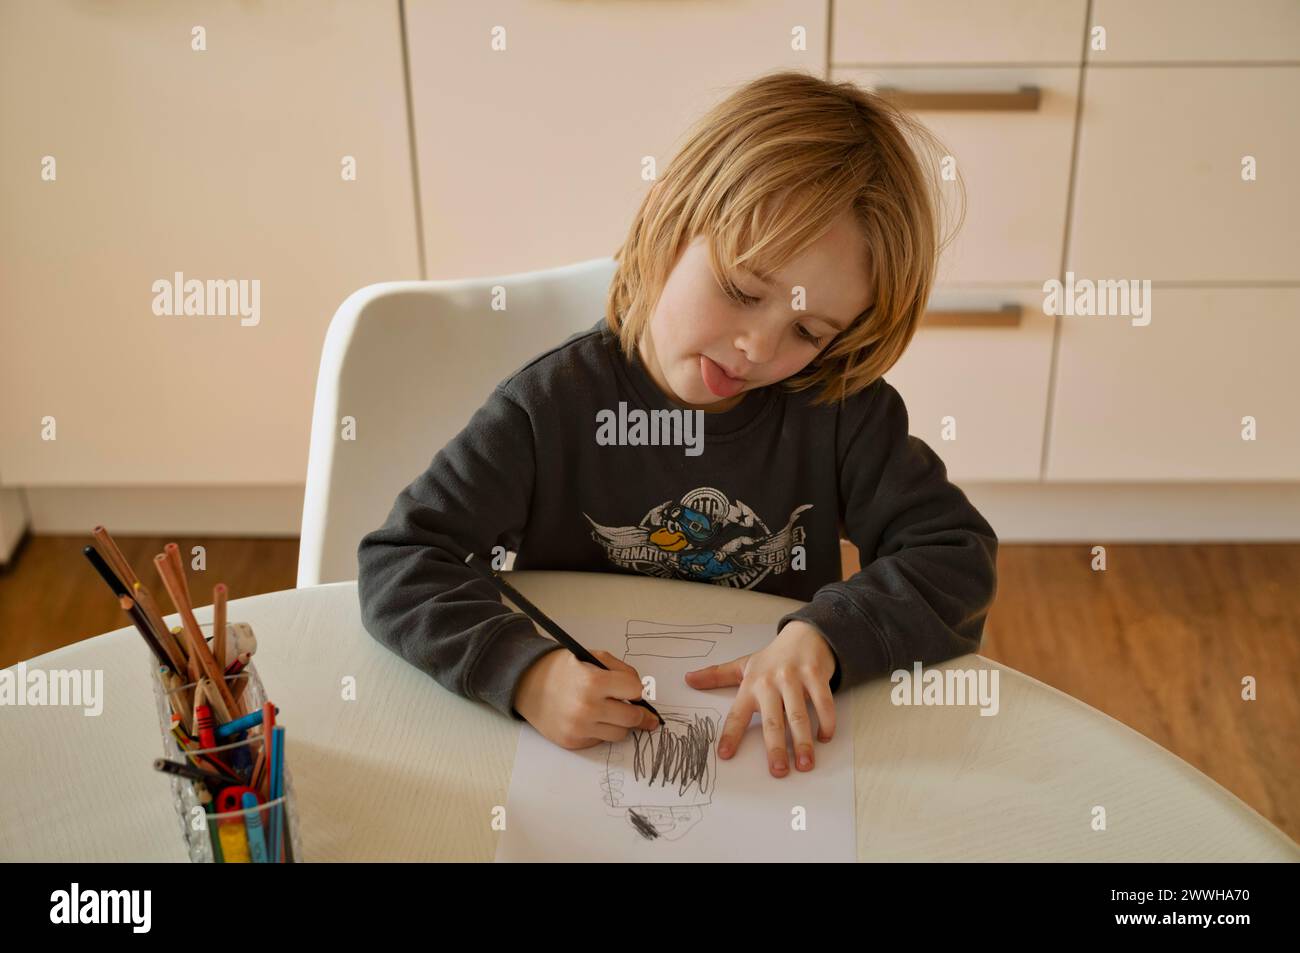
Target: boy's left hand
775	681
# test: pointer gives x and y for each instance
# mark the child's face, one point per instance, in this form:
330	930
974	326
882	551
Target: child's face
698	334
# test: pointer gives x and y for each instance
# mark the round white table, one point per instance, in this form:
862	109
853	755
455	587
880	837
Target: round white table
408	771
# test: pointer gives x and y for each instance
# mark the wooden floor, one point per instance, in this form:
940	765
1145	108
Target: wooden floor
1160	640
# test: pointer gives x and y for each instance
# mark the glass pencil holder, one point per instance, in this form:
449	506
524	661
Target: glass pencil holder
215	823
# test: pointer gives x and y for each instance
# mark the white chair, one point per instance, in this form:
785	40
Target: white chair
410	362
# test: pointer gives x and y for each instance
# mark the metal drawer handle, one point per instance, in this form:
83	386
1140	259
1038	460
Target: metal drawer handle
1008	316
1025	99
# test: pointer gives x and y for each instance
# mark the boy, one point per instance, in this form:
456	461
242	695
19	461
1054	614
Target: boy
790	245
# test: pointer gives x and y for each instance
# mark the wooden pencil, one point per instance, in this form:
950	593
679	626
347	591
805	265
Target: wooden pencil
219	625
174	648
220	713
199	701
111	577
175	685
238	685
268	748
174	554
108	546
255	782
192	669
198	646
129	607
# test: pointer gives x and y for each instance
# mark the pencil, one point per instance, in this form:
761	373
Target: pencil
191	663
137	591
129	607
198	646
128	604
537	615
255	782
186	771
220	713
219	625
210	762
173	648
268	748
165	677
238	684
199	700
183	701
174	554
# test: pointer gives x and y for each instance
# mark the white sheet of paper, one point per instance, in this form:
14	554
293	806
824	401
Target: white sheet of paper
666	795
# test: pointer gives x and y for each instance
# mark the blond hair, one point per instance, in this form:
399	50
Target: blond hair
764	174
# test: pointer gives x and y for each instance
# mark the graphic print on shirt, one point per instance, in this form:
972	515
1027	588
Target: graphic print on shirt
705	537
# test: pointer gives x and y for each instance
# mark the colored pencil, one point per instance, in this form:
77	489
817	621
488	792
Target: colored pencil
174	555
190	626
219	625
137	591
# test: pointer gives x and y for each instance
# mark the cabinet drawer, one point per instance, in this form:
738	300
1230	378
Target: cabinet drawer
1229	31
992	380
957	31
1166	401
1159	191
1015	165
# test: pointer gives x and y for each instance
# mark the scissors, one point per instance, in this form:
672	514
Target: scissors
242	840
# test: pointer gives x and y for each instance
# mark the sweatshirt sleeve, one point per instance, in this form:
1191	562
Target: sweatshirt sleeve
929	559
417	595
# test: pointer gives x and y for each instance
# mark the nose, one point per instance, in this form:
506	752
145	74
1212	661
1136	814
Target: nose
758	342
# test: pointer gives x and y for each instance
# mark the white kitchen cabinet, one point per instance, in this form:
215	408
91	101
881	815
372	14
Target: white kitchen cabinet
978	394
224	163
1014	162
1159	193
1197	31
1167	401
878	32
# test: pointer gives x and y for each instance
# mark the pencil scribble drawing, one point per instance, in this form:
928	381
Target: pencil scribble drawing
673	770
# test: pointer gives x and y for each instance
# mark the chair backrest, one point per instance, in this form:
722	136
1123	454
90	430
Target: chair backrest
406	364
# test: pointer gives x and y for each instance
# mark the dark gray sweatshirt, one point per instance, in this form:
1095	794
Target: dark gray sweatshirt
577	461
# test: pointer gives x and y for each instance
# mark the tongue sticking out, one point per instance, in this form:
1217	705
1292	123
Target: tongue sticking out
716	380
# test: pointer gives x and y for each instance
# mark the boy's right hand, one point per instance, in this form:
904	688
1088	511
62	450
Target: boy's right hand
576	704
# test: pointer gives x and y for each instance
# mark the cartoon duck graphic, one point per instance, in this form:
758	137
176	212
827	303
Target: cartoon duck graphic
682	539
696	537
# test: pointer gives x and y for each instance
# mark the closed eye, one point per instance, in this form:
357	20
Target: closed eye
809	337
735	294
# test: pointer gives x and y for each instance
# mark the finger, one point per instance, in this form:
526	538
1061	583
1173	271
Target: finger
796	716
615	663
623	714
824	703
722	675
769	703
736	723
621	681
603	732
